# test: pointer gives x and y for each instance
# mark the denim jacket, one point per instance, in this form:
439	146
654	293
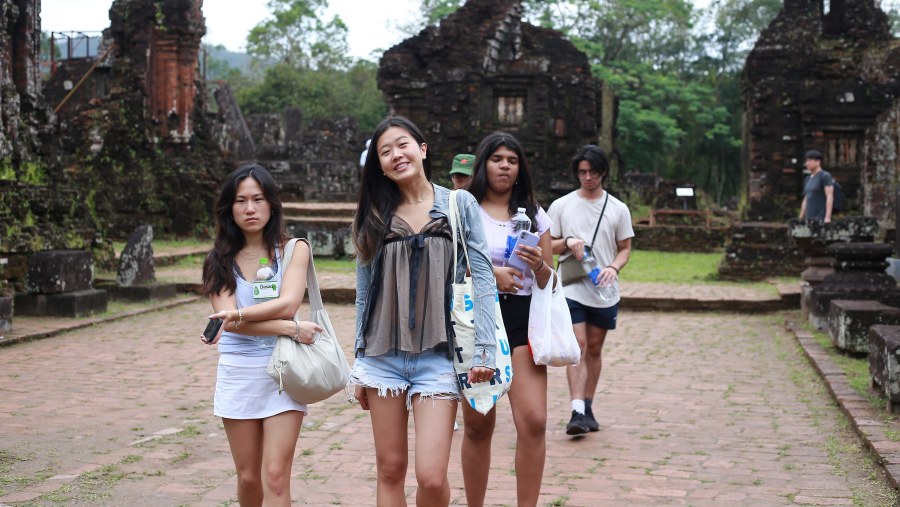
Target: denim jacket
484	284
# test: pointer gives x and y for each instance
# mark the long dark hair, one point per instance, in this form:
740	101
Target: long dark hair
378	195
522	194
218	268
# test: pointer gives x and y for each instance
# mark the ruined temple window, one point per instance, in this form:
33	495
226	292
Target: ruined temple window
842	151
559	127
510	110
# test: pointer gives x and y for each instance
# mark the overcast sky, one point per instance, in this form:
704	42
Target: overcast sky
370	24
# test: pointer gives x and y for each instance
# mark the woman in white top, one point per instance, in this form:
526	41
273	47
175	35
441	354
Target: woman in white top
262	425
501	184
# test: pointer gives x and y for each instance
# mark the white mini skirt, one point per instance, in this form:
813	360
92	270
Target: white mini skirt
245	391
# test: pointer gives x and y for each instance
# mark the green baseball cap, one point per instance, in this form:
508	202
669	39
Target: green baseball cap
463	164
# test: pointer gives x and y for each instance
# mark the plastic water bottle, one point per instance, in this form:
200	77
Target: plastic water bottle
590	266
520	222
264	272
608	292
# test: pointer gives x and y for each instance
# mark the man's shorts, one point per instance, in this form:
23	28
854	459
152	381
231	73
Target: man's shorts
604	318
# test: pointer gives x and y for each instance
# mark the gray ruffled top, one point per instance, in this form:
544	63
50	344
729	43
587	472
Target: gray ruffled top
409	314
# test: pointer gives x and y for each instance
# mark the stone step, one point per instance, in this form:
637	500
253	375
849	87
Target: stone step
319	209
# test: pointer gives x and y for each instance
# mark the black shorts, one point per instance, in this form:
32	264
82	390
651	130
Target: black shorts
515	311
604	318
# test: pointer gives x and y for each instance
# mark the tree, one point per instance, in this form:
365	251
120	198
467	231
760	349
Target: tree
297	35
676	72
306	65
321	93
431	12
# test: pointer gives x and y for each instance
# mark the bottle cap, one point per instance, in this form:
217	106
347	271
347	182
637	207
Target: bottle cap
263	260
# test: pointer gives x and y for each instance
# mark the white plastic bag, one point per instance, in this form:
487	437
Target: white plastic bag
550	331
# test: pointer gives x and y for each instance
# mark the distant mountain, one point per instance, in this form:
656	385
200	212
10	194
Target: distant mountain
234	59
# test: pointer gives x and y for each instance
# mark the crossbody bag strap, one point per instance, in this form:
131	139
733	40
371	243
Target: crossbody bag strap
312	281
455	222
597	228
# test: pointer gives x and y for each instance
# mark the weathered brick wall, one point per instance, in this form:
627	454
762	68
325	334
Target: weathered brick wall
21	109
760	250
881	172
34	218
673	238
317	161
814	81
136	141
482	70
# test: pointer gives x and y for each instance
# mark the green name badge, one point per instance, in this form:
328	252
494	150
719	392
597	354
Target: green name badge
265	290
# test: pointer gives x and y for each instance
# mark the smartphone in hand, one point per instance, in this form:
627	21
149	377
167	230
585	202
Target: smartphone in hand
212	329
526	238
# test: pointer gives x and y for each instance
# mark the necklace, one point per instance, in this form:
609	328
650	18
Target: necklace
251	254
418	201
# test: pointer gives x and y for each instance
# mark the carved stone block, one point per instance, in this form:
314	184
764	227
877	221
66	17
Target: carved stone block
6	314
849	322
884	363
58	271
136	262
81	303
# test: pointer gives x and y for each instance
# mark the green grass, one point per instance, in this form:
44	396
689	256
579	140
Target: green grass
335	265
162	244
671	267
855	368
644	266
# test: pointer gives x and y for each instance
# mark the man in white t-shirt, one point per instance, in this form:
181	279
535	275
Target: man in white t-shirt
575	226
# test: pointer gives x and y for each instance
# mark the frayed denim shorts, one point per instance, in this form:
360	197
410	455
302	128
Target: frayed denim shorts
429	374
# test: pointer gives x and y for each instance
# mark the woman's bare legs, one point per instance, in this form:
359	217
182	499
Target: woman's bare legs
389	419
280	434
528	399
476	452
433	418
245	438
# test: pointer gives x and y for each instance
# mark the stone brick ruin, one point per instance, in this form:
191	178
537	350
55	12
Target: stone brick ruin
821	78
311	161
130	145
484	69
134	136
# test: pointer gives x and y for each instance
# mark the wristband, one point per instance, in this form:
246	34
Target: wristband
566	242
538	270
240	318
614	268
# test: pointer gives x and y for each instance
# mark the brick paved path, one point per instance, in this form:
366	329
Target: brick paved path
697	409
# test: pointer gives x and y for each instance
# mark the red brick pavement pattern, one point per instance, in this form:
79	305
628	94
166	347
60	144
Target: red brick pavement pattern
696	409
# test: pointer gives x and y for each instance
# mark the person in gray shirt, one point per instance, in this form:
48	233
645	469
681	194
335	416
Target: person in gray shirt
818	190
